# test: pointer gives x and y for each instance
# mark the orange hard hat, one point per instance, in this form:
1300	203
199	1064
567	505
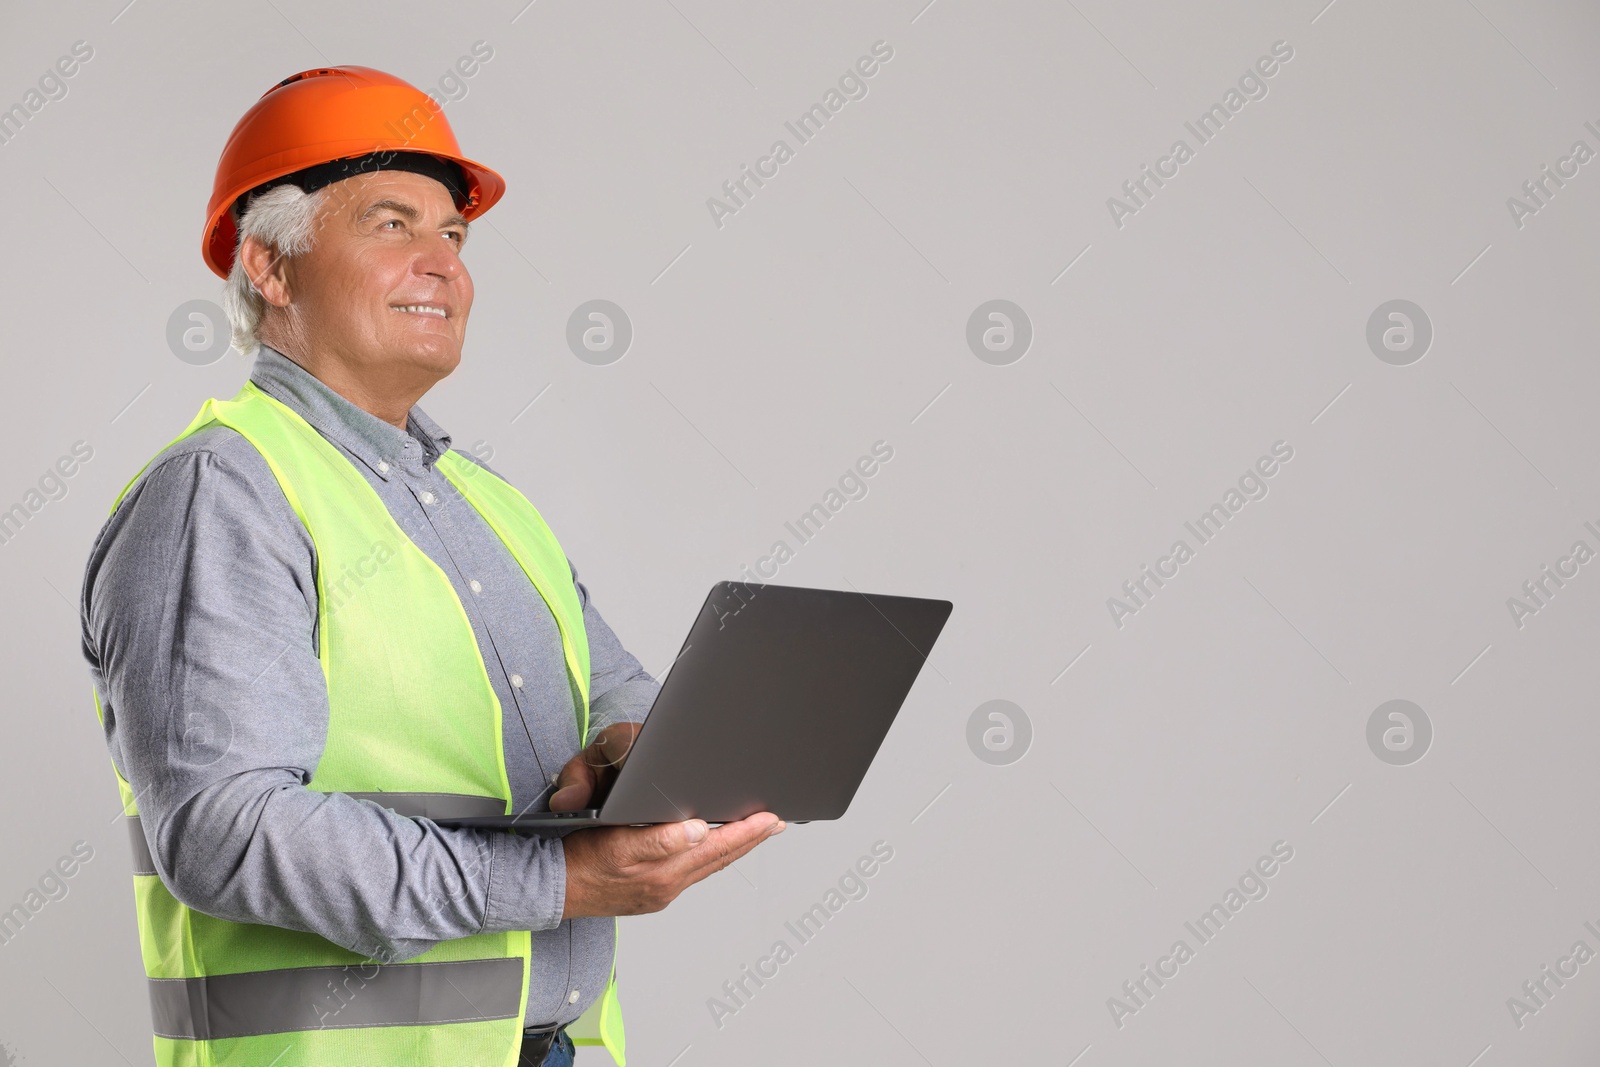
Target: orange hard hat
328	114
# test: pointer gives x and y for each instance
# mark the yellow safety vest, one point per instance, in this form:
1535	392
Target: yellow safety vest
393	637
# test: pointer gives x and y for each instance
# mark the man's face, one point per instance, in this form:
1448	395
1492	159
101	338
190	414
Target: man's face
384	285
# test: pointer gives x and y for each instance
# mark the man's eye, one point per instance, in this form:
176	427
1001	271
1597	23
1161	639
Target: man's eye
391	222
455	235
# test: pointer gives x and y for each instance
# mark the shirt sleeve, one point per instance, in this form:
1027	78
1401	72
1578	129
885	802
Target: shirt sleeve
620	689
199	627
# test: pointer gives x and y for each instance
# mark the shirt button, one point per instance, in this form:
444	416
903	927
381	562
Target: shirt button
477	586
572	997
383	468
427	497
516	680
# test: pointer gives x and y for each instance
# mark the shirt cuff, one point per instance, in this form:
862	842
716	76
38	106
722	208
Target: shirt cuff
629	702
527	883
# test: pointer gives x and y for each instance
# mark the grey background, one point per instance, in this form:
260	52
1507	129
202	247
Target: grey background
831	312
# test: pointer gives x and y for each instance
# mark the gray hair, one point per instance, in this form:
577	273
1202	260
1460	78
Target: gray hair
283	218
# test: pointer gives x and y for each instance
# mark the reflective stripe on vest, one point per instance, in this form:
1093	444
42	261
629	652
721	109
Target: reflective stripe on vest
296	998
414	726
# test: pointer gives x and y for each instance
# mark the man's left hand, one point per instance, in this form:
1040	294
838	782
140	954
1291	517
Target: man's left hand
590	773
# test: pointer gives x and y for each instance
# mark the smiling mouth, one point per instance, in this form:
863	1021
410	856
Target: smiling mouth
421	309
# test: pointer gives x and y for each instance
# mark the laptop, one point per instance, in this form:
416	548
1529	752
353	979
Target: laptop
778	701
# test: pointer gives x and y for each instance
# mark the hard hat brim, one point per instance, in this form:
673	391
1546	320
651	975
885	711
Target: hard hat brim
485	187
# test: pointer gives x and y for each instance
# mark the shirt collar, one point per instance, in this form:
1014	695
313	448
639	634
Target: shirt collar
375	442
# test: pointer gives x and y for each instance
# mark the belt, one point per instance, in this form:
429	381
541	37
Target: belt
537	1043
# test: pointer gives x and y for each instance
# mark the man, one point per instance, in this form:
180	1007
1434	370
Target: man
314	629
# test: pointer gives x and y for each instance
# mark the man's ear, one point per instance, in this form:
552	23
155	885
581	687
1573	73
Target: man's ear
267	270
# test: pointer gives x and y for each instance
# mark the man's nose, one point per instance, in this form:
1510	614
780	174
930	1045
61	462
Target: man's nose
440	260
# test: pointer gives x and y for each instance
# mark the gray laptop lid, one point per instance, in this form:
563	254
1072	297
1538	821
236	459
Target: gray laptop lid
778	701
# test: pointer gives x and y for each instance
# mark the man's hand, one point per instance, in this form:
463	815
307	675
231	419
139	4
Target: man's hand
589	774
631	870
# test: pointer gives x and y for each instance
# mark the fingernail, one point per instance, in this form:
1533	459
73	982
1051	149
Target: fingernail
777	828
696	831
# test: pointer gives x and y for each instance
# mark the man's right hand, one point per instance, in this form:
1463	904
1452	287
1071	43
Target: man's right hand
632	870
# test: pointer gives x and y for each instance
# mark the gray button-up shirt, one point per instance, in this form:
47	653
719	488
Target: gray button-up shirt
199	611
